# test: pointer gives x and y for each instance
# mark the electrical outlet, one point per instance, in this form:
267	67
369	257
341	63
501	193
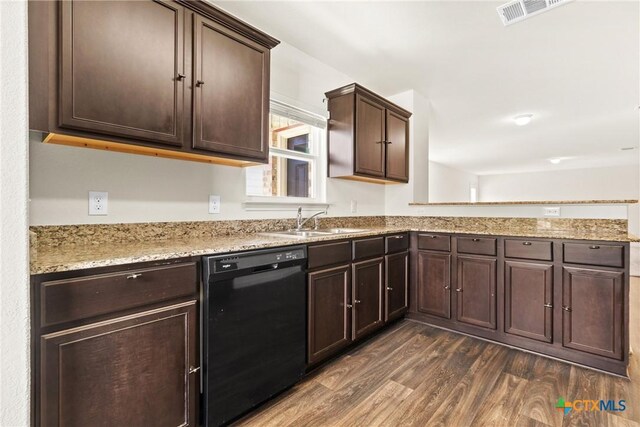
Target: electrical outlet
98	203
552	211
214	204
354	206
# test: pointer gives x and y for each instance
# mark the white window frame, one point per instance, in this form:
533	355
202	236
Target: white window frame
317	159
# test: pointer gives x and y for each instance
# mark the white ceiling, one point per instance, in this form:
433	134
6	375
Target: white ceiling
576	68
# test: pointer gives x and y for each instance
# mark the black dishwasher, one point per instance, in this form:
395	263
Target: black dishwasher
254	329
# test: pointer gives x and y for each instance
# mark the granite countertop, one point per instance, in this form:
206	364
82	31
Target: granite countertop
532	202
78	256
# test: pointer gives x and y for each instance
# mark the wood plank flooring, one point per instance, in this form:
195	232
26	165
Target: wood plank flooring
417	375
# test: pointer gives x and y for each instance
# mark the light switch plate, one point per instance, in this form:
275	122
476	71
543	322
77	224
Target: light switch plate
98	203
555	211
214	204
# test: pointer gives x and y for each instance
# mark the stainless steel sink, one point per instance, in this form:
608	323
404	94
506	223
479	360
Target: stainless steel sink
342	230
303	234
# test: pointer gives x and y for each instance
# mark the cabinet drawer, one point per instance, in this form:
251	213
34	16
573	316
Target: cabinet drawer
594	254
396	243
367	248
477	245
83	297
529	249
434	242
329	254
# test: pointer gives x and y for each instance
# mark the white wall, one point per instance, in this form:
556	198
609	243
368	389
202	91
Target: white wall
145	189
14	267
620	182
447	184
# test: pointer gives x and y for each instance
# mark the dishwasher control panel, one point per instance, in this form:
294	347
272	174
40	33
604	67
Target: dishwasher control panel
223	264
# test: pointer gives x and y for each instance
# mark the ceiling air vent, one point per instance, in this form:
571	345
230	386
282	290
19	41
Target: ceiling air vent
517	10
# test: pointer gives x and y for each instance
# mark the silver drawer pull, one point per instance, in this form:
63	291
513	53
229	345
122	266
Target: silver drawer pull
526	243
193	370
548	306
134	276
475	240
434	237
594	247
398	237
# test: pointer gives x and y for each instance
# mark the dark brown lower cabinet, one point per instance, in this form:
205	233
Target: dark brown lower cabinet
329	323
367	296
135	370
592	311
397	285
434	284
528	300
476	290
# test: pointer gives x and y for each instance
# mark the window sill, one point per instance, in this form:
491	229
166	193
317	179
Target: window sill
281	204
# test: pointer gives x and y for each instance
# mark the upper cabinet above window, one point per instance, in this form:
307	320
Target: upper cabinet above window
368	136
166	78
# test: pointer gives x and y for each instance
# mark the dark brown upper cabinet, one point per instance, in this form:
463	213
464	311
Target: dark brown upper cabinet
178	79
230	107
120	68
368	136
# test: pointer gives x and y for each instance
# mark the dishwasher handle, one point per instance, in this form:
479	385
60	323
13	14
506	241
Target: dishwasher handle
267	267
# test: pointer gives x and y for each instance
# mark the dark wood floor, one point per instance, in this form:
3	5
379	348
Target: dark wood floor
417	375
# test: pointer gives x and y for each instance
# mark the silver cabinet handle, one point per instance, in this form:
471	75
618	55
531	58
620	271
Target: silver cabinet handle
180	76
193	370
447	287
389	288
199	83
458	289
399	237
594	247
388	142
526	243
548	305
349	306
134	276
565	308
475	240
357	301
434	237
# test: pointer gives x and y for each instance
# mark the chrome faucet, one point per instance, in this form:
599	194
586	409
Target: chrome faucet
300	222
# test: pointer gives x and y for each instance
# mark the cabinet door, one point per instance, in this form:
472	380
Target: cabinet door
584	328
370	137
329	323
231	92
477	291
397	159
434	284
367	297
528	300
121	67
396	284
130	371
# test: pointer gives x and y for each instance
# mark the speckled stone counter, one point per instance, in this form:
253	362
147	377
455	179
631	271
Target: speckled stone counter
67	248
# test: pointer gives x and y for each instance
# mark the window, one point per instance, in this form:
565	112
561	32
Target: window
296	169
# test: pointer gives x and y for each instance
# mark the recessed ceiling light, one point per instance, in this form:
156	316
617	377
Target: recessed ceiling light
523	119
556	160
